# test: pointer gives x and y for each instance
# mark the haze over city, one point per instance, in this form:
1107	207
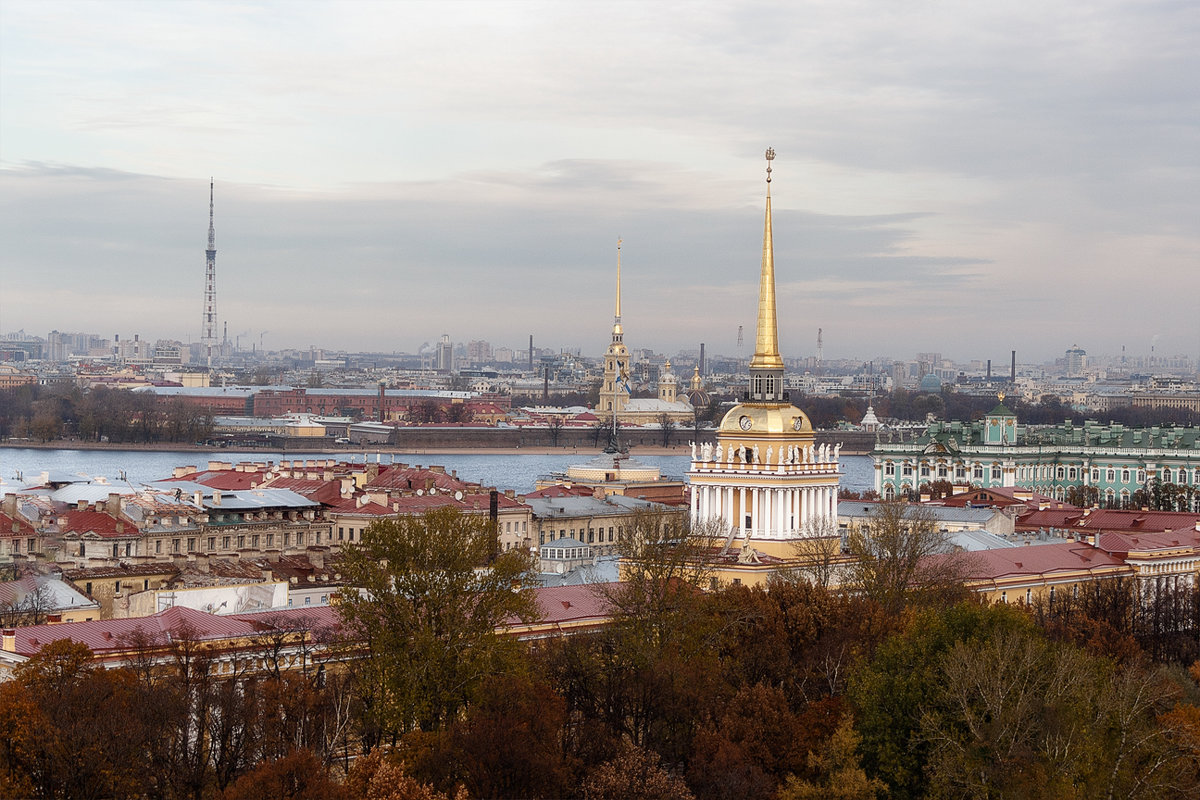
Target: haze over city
967	178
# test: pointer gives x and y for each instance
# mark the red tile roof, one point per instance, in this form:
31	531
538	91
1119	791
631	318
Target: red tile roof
1107	519
569	605
324	492
412	504
1003	497
97	522
105	636
227	479
559	490
1124	543
1039	559
350	506
23	528
398	477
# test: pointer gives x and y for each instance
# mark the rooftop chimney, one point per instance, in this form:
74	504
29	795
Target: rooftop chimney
316	557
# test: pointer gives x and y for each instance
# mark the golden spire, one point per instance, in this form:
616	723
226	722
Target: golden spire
766	344
617	313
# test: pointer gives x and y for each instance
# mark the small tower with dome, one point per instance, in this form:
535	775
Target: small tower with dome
668	387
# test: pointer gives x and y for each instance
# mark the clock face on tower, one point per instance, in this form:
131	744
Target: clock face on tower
746	423
797	423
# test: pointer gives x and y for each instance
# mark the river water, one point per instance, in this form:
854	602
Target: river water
502	470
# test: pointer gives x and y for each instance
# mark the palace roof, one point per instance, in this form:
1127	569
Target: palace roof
954	436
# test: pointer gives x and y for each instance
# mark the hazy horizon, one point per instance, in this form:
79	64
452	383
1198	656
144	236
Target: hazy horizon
963	179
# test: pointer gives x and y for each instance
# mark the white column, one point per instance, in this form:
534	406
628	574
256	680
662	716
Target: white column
791	510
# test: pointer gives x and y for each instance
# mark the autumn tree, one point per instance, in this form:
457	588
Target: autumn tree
635	774
817	555
840	773
430	593
69	729
298	775
900	555
647	674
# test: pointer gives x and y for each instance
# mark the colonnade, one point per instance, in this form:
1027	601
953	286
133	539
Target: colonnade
766	512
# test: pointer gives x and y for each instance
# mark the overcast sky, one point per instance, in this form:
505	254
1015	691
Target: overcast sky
963	177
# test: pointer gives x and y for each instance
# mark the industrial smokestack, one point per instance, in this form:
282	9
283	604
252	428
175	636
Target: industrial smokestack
1013	374
702	372
531	352
989	372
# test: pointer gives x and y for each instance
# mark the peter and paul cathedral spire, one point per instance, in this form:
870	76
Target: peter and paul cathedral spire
615	389
766	367
617	333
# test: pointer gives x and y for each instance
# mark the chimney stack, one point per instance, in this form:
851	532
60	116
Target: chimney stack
316	557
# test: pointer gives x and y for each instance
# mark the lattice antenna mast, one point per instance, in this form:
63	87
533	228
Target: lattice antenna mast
209	338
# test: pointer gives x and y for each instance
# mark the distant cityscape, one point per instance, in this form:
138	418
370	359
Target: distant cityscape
1086	383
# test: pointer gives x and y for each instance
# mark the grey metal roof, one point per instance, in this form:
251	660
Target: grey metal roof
978	540
554	507
255	499
860	508
208	391
564	543
90	492
605	570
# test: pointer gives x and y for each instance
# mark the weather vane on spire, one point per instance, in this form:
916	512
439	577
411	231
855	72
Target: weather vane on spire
770	158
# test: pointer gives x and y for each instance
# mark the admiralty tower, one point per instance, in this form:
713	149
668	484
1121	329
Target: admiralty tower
766	481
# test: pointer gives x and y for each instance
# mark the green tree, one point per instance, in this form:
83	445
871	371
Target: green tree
892	690
434	589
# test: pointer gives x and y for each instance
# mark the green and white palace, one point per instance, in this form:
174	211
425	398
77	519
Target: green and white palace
1089	463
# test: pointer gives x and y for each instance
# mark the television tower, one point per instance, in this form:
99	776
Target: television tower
209	337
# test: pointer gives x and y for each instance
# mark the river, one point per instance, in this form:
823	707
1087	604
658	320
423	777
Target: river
502	470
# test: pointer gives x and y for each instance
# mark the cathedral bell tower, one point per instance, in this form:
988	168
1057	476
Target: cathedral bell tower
615	390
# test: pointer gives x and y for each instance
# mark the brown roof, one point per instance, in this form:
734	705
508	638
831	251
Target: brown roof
1038	559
